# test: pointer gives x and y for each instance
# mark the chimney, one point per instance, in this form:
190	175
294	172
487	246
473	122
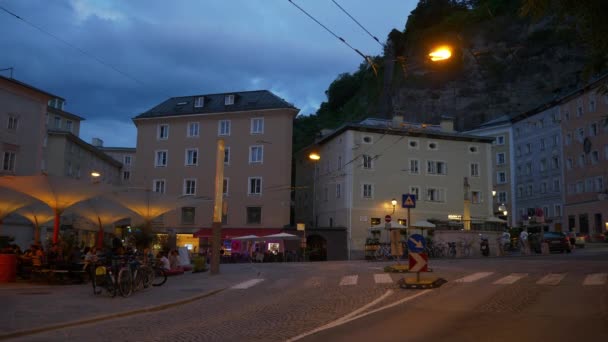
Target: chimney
447	124
97	142
397	121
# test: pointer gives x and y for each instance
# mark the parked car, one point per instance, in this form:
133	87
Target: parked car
558	242
581	239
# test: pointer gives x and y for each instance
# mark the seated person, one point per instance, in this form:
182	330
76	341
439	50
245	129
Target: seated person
164	262
173	259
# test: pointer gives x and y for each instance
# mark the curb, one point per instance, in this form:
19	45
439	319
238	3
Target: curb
20	333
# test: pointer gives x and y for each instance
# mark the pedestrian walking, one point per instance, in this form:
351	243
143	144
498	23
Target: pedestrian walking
523	240
504	241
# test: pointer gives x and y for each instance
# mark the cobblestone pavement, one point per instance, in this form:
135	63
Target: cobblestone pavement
280	301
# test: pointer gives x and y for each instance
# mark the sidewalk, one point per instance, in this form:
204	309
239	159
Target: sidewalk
30	307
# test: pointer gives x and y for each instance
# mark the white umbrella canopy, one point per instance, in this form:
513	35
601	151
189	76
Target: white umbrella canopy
101	212
12	200
423	224
392	225
37	213
149	204
283	236
59	193
248	238
495	219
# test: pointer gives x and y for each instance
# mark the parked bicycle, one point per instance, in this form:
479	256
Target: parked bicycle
452	249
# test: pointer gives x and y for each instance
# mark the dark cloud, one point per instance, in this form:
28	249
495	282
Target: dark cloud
183	48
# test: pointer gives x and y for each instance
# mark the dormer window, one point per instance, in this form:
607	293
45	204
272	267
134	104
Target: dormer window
229	100
199	102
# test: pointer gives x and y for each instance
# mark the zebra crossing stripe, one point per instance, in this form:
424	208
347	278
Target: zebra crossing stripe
382	278
510	279
551	279
595	279
474	277
349	280
247	284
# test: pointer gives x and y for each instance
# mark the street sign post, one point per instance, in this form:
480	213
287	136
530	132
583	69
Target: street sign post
408	201
387	218
418	263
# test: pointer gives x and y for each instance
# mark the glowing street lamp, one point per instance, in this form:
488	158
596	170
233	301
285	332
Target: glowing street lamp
441	53
95	174
314	156
394	204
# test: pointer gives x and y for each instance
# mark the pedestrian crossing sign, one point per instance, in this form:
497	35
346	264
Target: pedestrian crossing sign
408	201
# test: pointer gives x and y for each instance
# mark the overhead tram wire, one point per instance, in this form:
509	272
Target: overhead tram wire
358	23
366	58
97	59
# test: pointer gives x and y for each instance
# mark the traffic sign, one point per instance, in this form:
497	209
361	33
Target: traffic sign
408	201
418	262
387	218
416	243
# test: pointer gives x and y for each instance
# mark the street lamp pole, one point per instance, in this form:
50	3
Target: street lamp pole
315	157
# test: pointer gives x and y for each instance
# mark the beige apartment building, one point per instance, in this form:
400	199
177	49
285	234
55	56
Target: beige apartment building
176	154
38	135
364	166
585	132
124	155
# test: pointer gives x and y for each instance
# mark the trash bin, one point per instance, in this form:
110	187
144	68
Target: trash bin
200	264
8	268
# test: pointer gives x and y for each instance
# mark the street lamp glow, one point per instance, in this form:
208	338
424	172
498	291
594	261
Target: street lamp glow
505	213
493	193
394	202
314	156
440	54
95	174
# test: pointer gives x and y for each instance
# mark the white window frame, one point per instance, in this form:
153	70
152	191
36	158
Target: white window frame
415	190
227	182
434	169
223	127
474	169
440	194
364	191
502	197
199	102
186	188
127	160
156	159
257	126
256	158
159	184
499	138
504	158
478	199
12	123
414	166
190	128
368	162
159	132
187	161
254	193
227	154
229	100
498	180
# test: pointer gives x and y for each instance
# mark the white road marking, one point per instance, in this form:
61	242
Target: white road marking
551	279
474	277
349	280
346	319
383	278
595	279
510	279
247	284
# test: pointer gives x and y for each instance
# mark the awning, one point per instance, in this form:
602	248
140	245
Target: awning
228	233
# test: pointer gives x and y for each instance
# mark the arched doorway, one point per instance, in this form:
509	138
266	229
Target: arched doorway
316	248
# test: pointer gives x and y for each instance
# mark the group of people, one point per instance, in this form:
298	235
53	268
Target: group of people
169	260
505	243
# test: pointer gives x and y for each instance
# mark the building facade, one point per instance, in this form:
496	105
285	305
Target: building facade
124	155
176	154
503	159
364	166
585	131
539	177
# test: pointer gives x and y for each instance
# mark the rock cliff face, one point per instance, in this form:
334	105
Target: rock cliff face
506	66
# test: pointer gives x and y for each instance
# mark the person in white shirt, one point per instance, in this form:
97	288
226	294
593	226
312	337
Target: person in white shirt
523	241
505	241
165	262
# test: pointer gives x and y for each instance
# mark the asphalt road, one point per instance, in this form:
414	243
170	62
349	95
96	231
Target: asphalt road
556	297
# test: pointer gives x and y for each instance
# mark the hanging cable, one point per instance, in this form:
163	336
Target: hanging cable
358	23
98	60
366	58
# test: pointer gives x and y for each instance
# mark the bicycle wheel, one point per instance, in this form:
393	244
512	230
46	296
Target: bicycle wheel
379	254
125	282
160	277
147	275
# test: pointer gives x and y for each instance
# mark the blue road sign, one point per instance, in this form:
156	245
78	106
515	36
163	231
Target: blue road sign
408	201
416	243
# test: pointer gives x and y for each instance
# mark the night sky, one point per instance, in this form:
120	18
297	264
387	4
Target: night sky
177	48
